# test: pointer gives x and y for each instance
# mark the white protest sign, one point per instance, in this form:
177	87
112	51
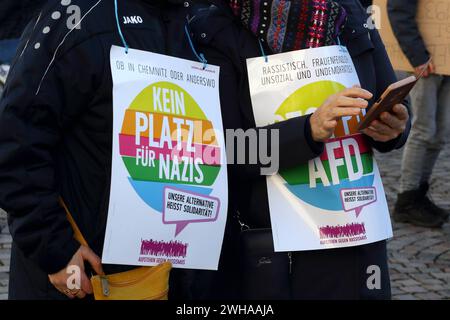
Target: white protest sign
169	193
337	199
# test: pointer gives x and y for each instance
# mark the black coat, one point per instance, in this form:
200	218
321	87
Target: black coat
228	46
402	15
15	15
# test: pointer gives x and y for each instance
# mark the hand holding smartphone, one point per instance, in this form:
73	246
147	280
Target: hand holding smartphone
394	94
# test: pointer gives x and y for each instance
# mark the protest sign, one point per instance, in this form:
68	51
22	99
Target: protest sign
336	200
169	193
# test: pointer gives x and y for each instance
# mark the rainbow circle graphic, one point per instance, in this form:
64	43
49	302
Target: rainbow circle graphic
167	140
297	179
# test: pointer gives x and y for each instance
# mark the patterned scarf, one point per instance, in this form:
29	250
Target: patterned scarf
286	25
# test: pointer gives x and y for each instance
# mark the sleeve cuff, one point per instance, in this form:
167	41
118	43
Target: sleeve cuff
389	146
316	147
58	256
419	59
385	147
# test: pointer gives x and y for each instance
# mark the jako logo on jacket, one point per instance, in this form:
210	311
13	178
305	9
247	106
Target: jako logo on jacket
132	20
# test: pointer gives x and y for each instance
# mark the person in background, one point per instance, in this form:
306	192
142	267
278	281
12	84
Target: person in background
430	101
322	274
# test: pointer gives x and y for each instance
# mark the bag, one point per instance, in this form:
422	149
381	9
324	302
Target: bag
145	283
266	274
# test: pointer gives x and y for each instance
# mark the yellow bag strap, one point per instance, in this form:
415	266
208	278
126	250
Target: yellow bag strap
77	233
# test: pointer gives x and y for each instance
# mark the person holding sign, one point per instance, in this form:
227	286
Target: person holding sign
430	102
14	16
56	133
366	3
335	273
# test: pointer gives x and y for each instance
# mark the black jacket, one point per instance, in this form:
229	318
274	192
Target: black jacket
15	15
366	3
56	123
402	15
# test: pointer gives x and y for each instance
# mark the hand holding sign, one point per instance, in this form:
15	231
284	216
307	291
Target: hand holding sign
348	102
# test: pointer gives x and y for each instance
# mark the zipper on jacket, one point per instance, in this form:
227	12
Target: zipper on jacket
290	262
242	224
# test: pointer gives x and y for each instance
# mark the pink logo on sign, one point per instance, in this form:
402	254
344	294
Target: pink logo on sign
183	207
355	199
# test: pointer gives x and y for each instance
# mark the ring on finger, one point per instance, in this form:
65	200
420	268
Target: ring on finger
74	292
68	292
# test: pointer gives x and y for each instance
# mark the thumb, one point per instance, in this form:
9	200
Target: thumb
93	260
86	285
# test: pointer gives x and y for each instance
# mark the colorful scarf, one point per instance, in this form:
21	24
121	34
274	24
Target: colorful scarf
286	25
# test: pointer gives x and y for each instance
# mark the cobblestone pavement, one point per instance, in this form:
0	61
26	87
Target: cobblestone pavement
419	257
5	250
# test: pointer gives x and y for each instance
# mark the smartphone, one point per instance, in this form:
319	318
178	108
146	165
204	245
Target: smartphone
394	94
